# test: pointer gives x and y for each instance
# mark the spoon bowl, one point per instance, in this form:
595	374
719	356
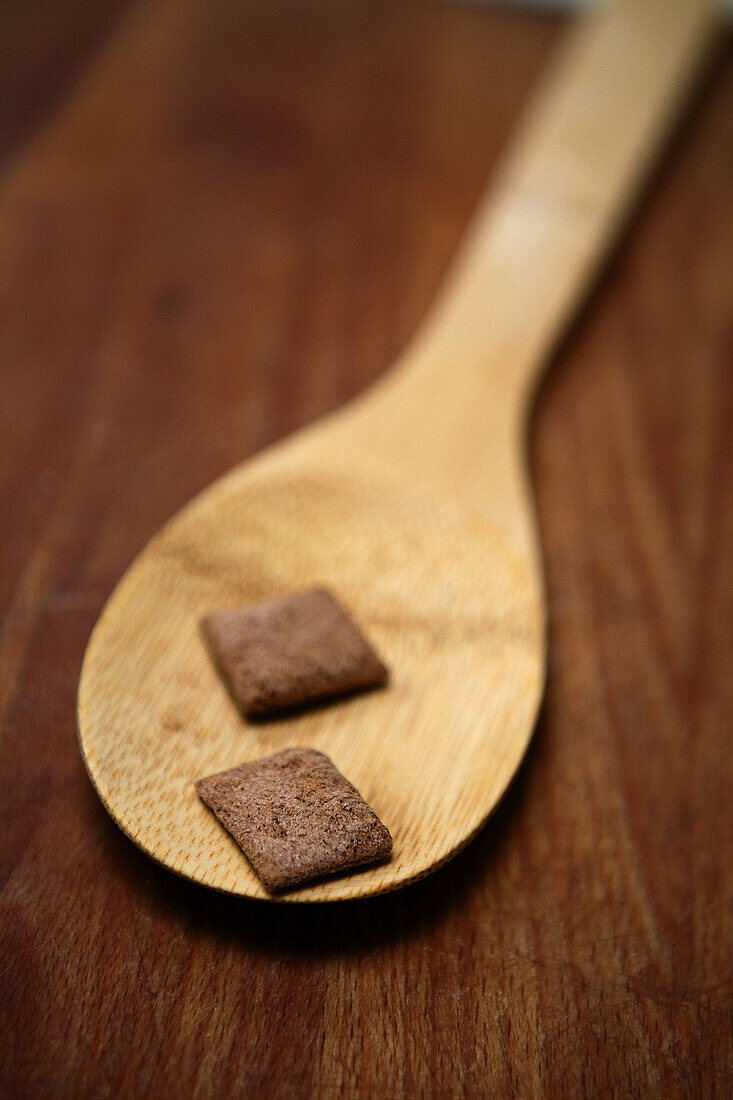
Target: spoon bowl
460	643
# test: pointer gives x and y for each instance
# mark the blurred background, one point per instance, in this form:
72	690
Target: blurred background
218	220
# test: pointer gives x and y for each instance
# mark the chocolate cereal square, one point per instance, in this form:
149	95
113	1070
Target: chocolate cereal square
290	651
295	817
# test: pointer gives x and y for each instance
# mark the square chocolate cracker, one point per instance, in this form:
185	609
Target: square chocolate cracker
295	817
291	650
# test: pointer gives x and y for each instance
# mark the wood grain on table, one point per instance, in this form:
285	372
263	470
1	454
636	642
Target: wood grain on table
217	221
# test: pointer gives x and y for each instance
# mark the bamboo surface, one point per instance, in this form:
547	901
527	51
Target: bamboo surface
411	505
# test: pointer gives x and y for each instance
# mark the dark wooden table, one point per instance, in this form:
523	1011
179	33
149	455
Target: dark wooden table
217	221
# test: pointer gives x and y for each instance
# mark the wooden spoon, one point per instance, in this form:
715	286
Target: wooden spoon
411	504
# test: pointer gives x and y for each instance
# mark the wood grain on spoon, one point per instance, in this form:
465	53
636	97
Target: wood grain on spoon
412	504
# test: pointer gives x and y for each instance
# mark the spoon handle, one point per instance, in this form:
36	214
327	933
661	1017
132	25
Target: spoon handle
454	412
585	146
